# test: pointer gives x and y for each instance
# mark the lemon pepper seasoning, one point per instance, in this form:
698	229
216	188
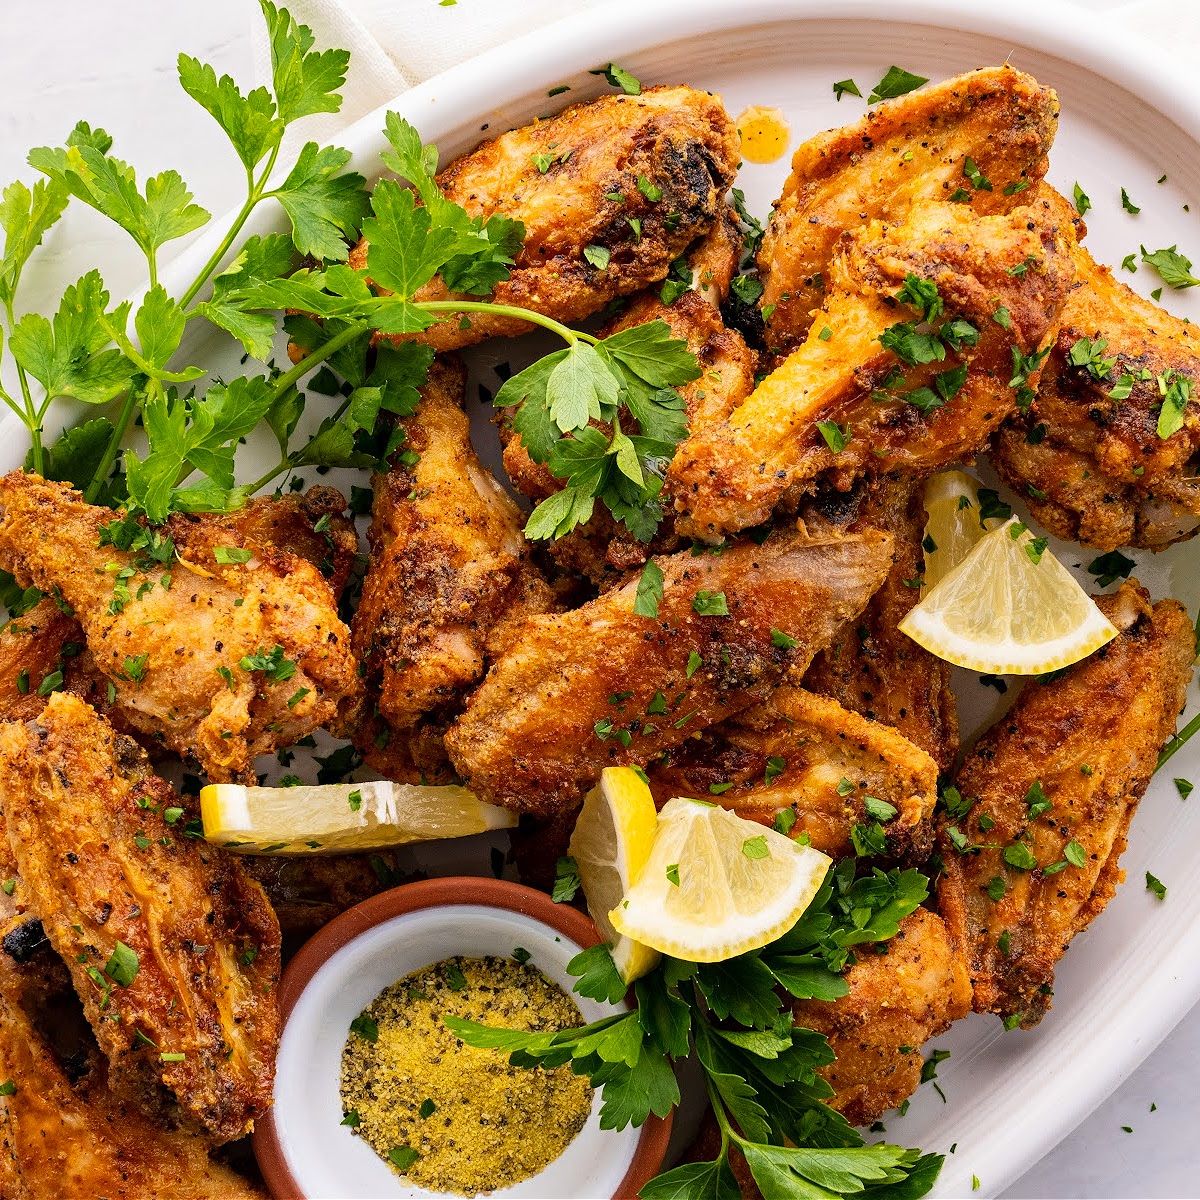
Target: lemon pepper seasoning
451	1117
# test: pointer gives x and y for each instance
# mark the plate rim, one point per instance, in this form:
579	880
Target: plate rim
1058	1101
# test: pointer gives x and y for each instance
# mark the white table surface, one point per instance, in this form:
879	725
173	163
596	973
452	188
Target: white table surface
114	65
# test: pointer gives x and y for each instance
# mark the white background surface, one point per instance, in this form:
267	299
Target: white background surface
113	64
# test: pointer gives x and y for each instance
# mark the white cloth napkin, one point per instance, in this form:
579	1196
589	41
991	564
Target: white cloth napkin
395	44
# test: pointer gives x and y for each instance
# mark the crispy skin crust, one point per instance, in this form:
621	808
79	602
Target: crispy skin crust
1111	712
906	152
899	999
770	450
528	737
288	523
49	536
1100	474
188	911
448	566
872	668
820	744
63	1137
680	139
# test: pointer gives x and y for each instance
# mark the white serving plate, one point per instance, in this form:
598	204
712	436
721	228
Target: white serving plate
1128	117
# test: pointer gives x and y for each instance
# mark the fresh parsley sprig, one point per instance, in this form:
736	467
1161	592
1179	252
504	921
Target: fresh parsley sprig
761	1071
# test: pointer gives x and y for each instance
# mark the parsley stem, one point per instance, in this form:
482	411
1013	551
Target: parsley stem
31	418
569	335
255	190
1178	740
114	445
290	378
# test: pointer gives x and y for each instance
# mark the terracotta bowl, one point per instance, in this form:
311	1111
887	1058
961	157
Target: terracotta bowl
304	1151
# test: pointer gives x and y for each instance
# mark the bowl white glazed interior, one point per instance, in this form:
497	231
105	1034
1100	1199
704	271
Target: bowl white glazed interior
326	1159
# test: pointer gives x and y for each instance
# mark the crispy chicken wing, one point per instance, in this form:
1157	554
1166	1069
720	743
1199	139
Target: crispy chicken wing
872	668
602	685
922	147
629	183
186	1011
806	753
770	450
1089	460
449	567
897	1002
1044	861
220	660
64	1134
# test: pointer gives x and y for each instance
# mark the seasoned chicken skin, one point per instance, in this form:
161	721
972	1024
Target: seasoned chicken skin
63	1136
806	753
449	566
872	668
897	1002
591	232
105	864
907	152
1089	741
1090	465
587	689
217	660
770	450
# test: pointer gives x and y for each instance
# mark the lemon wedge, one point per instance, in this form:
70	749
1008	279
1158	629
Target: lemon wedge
341	816
716	885
610	846
1009	608
952	524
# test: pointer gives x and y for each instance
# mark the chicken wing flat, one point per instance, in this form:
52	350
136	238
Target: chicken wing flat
172	948
980	139
1052	789
449	565
874	415
214	657
804	753
629	182
65	1135
1090	460
897	1002
601	685
872	668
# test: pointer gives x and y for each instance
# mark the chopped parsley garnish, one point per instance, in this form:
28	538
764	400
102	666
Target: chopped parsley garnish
1184	787
783	641
1176	391
566	880
649	590
977	179
845	87
836	436
1174	269
710	604
1110	567
598	256
895	82
1082	201
1128	205
403	1157
618	77
1156	886
273	664
232	555
673	874
1020	856
122	966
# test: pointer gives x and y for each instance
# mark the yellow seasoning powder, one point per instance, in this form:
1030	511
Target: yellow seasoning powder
451	1117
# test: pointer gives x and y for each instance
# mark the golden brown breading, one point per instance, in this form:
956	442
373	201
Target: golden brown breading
173	653
448	566
909	151
680	141
585	689
807	753
897	1002
872	668
103	864
64	1135
1090	741
311	525
35	648
770	449
1092	467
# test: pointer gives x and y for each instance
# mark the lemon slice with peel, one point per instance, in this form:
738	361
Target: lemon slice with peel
952	524
1009	608
716	885
610	846
341	816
